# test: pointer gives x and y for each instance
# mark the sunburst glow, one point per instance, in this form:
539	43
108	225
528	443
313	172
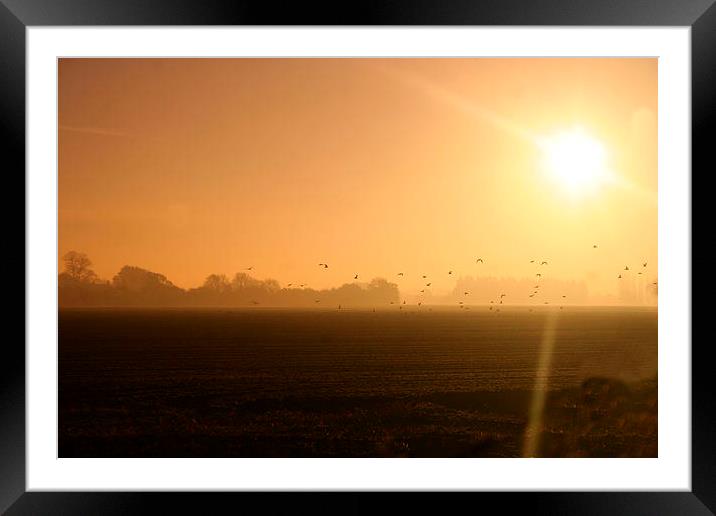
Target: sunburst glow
575	160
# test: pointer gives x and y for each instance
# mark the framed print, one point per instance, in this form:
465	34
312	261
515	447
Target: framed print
420	249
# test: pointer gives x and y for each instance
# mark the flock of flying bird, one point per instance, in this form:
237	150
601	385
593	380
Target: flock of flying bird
497	301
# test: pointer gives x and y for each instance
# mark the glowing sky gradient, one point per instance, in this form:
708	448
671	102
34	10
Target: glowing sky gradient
374	166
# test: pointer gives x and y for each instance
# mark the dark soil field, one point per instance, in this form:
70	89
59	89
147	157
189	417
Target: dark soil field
322	383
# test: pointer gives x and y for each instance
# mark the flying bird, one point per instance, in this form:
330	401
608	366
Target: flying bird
422	290
355	277
424	276
594	246
289	284
479	260
532	261
503	295
626	268
249	268
466	293
428	284
400	274
644	264
449	272
538	275
544	263
619	277
324	265
564	296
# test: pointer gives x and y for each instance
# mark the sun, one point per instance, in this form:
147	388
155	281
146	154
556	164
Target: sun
575	160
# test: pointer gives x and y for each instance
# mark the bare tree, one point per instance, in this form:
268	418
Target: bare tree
77	266
217	283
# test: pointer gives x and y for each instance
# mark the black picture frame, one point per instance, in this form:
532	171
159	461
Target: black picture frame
16	15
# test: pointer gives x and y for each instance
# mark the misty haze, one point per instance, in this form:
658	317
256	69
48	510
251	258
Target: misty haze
358	257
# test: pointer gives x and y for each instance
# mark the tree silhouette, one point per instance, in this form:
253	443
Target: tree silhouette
217	283
77	267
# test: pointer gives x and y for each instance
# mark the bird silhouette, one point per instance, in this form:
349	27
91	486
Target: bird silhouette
626	268
249	268
355	277
544	263
503	295
564	296
424	276
532	261
619	277
644	264
466	293
449	272
289	284
422	291
594	246
428	284
324	265
538	275
401	274
479	260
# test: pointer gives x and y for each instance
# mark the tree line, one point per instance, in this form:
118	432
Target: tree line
80	286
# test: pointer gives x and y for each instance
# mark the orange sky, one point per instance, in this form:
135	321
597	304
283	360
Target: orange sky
193	166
